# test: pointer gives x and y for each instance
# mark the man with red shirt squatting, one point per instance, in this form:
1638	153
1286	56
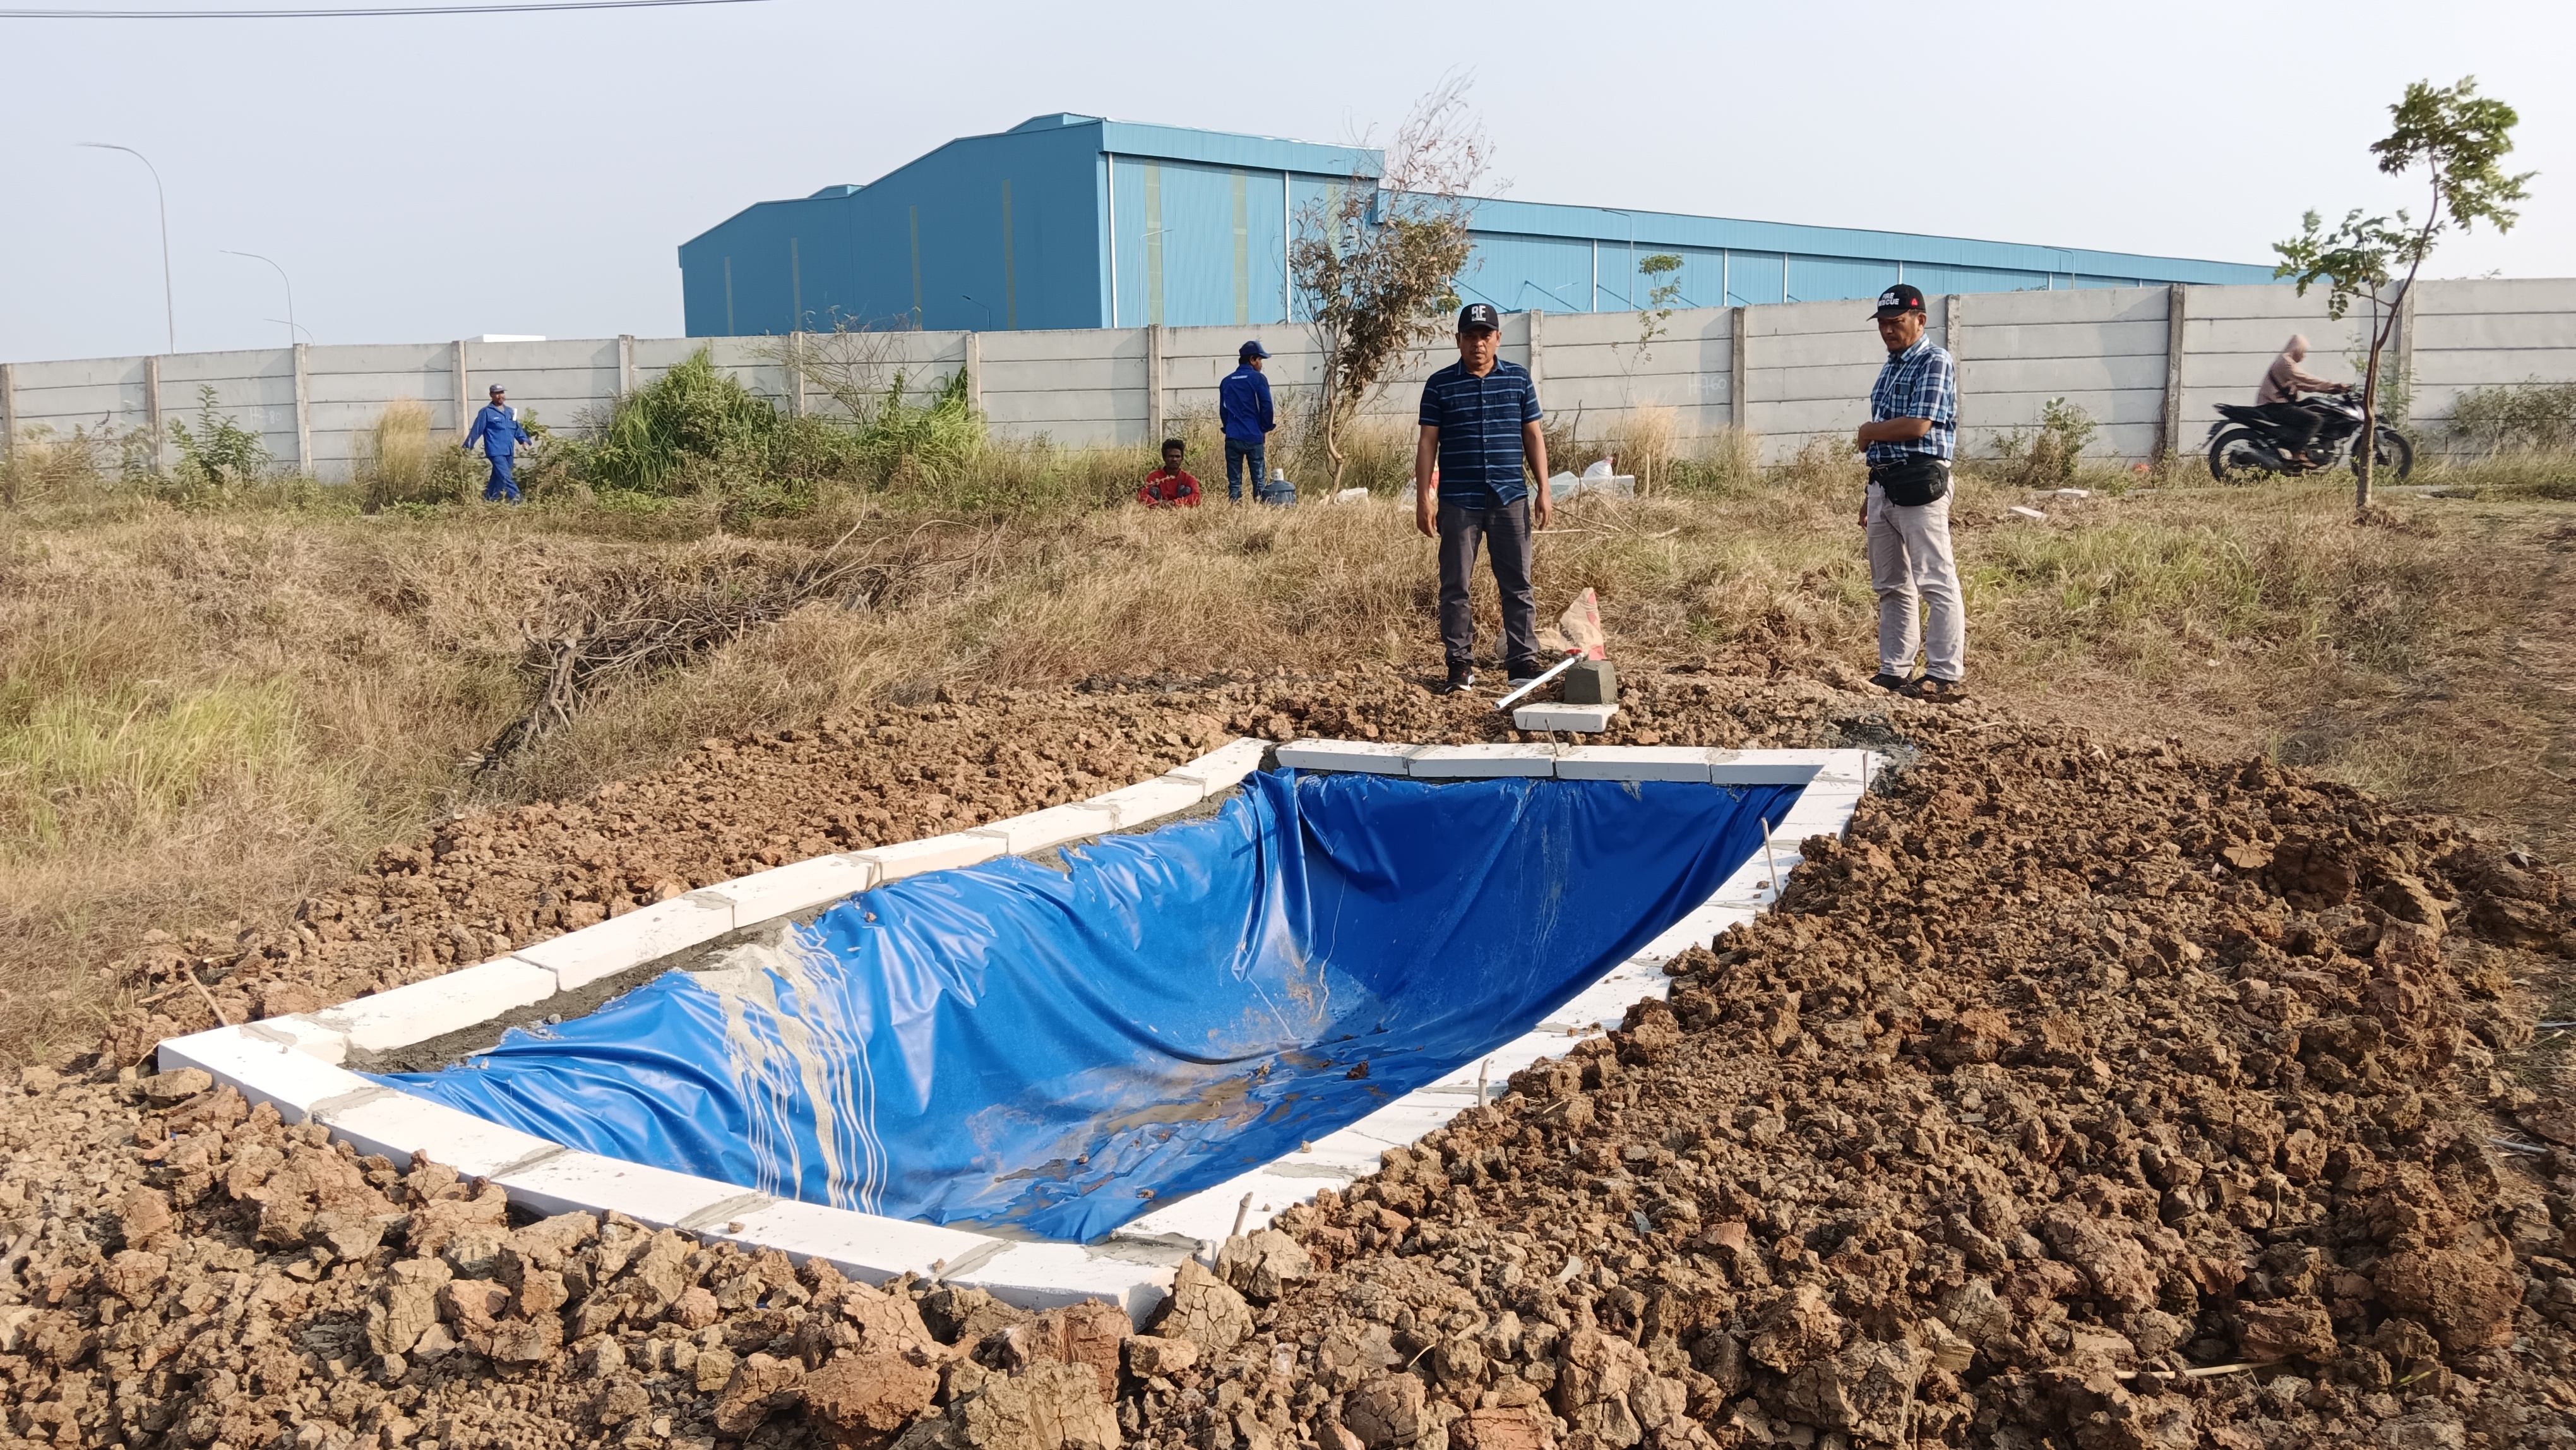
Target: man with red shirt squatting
1169	486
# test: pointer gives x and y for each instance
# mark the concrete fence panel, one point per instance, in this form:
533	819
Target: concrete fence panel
1799	372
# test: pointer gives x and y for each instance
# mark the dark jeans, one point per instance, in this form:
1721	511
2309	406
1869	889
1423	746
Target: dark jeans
1238	452
2298	424
1461	531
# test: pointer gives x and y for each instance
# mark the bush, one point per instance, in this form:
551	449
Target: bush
2047	456
218	453
400	463
695	413
2525	417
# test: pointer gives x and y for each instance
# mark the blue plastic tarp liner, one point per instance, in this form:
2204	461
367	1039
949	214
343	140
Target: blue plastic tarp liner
1057	1051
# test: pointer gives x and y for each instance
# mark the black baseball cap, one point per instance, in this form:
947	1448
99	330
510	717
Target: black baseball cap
1479	315
1899	300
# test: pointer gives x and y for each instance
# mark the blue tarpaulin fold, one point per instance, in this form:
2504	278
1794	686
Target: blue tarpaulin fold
1060	1050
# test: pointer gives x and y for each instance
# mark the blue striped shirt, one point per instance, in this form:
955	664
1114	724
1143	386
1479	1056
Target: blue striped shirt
1479	419
1920	382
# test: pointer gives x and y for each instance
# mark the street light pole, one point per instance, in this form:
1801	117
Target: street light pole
169	307
291	328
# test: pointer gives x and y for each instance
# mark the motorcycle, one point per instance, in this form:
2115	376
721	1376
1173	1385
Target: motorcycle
2247	439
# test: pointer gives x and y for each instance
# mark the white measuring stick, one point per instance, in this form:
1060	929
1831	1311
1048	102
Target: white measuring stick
1563	665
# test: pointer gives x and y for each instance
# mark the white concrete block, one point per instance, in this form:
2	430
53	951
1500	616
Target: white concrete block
308	1036
932	853
1360	757
1225	767
1633	762
263	1070
768	895
1047	1275
1461	762
572	1180
1050	827
1151	800
863	1245
1760	767
582	957
440	1005
397	1124
1581	719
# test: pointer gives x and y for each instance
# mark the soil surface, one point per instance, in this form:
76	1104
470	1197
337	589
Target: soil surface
2089	1094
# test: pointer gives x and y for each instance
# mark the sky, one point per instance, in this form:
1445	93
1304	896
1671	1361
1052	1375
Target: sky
427	178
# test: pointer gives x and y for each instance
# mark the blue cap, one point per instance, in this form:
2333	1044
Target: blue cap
1479	314
1253	349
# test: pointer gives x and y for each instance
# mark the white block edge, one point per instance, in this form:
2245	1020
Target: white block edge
291	1063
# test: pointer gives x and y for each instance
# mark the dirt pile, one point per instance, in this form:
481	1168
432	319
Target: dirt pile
2092	1097
189	1271
490	882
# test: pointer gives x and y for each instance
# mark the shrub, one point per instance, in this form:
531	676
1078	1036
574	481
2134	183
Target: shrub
218	453
2524	417
2046	456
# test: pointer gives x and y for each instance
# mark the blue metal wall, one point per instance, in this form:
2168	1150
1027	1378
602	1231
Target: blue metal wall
1075	221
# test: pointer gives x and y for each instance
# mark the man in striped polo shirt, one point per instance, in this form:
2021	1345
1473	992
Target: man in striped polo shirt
1913	429
1480	425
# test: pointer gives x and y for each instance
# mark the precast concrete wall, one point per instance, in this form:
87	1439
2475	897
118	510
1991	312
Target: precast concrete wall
2148	364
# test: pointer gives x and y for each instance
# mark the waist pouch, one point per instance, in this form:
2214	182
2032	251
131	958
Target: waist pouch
1913	483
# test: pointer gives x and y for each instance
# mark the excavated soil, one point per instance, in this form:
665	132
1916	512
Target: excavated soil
2089	1094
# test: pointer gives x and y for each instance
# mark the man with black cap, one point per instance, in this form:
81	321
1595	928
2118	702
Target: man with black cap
1480	426
1912	431
1243	406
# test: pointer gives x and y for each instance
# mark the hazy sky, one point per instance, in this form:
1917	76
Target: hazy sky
426	178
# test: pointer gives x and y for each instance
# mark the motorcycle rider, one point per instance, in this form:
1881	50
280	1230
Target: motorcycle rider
2278	397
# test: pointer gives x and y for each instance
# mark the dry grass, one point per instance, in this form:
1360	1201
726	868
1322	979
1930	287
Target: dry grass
204	715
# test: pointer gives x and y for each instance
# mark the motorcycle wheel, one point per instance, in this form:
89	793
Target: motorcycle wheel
2232	453
2396	457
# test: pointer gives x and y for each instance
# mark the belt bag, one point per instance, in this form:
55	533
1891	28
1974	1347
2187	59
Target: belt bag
1913	483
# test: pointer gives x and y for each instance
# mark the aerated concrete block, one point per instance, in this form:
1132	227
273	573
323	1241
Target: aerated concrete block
932	853
1633	762
575	1181
397	1124
1360	757
1763	767
309	1036
263	1070
1050	827
1577	719
1151	800
768	895
1224	768
1467	762
438	1006
582	957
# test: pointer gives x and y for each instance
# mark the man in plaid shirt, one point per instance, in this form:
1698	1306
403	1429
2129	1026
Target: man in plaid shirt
1912	431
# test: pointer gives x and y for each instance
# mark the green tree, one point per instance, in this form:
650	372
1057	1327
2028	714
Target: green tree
1376	262
2459	139
1660	270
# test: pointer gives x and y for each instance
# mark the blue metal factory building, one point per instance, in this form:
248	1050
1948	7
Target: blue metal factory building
1078	221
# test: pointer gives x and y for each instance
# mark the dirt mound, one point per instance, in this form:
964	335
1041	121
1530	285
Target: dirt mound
2076	1080
2092	1097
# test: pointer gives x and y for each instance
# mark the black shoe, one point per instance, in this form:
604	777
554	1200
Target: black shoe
1522	674
1894	684
1938	692
1461	678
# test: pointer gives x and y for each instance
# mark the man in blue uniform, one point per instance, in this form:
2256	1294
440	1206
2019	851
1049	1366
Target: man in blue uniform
1243	405
498	428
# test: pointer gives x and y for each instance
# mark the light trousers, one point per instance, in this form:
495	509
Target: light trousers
1910	566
